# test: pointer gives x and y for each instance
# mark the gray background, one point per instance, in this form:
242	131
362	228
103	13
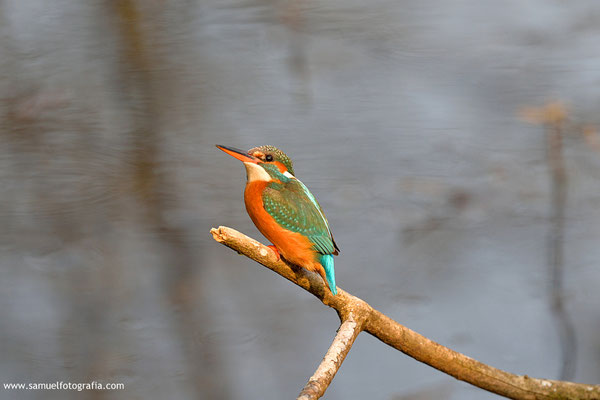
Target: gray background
401	117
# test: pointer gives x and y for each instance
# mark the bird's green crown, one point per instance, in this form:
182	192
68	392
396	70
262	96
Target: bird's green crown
270	153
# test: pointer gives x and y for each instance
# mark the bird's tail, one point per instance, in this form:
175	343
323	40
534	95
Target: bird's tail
326	261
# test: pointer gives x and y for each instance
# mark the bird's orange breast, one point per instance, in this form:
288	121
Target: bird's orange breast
293	246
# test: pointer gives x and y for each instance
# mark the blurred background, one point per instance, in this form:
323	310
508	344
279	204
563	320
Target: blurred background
452	145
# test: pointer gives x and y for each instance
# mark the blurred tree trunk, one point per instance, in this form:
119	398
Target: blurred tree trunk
141	79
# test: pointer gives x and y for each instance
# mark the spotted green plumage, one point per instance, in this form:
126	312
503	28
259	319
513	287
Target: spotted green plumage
294	208
277	154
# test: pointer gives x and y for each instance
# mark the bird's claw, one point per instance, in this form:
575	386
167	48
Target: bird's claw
275	251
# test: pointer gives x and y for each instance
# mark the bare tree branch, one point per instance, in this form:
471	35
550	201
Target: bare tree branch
555	115
400	337
319	382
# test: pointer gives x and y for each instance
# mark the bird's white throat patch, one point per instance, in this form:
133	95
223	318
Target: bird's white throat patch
256	173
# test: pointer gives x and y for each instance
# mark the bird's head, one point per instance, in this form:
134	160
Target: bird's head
263	163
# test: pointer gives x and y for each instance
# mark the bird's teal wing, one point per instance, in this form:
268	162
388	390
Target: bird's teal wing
293	207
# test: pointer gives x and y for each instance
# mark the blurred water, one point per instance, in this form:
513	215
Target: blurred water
401	118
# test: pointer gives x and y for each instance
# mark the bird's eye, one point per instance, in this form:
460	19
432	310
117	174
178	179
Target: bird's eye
269	157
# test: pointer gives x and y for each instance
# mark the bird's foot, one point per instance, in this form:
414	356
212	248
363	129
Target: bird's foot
275	251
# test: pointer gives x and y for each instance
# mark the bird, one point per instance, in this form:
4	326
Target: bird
286	212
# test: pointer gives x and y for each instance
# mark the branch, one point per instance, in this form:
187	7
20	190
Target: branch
400	337
556	237
319	382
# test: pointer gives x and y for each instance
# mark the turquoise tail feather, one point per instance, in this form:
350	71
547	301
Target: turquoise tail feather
326	261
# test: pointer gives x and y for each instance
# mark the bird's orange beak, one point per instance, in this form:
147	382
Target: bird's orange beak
241	155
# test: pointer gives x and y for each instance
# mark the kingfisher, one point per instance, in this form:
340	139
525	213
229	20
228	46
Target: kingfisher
286	212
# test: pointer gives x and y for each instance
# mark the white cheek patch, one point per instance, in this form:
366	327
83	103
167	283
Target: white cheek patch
286	173
256	173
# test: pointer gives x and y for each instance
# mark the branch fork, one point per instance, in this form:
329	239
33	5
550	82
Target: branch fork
357	315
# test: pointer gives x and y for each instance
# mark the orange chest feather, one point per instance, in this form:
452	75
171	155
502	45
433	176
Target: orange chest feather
254	205
293	246
265	223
